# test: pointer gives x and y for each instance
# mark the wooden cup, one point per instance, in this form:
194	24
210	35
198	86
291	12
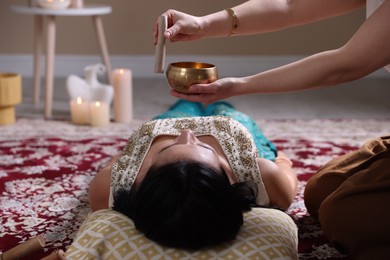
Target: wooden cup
10	95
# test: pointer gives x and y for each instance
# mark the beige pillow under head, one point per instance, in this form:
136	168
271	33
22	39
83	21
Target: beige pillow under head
107	234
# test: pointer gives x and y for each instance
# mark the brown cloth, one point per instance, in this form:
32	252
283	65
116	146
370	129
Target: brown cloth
350	196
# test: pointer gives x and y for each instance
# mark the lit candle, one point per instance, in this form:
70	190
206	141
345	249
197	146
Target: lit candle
54	4
79	111
100	113
123	95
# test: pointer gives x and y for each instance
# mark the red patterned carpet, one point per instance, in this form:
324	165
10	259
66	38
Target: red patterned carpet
46	166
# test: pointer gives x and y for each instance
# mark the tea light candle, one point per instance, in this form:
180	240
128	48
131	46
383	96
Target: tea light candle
79	110
100	113
123	95
54	4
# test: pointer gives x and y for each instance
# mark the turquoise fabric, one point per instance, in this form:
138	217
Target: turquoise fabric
184	108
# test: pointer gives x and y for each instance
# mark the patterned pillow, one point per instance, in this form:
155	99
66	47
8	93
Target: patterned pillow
107	234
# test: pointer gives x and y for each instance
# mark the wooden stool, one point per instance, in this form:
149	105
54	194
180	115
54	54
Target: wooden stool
10	96
94	11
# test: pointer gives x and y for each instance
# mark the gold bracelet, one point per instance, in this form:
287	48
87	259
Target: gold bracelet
235	21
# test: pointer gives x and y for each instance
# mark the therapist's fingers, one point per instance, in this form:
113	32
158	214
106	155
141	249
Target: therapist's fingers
202	98
170	14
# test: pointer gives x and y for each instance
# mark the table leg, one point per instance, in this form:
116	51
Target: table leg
37	57
51	36
97	21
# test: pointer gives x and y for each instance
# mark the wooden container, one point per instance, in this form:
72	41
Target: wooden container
10	96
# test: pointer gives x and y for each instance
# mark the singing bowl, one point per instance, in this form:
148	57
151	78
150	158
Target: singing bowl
181	75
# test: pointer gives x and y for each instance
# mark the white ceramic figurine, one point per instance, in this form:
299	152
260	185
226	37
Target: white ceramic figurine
90	89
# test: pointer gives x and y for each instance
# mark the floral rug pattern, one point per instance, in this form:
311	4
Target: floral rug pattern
46	167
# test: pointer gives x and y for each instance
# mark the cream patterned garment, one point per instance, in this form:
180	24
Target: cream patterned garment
235	140
107	234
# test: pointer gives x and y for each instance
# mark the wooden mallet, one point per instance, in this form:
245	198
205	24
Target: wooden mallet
159	56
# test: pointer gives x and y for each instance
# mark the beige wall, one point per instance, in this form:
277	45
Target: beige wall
129	32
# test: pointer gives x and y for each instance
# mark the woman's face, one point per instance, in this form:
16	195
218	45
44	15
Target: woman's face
186	146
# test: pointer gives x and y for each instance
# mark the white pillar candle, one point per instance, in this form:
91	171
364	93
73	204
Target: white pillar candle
79	110
100	113
123	95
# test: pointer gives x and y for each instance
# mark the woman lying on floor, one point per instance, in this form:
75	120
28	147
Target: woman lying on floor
186	177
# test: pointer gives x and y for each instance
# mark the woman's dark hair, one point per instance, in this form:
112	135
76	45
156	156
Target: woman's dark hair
186	205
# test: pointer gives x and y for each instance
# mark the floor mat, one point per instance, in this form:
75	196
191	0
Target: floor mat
46	167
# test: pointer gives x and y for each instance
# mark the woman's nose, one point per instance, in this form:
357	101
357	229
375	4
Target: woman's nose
186	137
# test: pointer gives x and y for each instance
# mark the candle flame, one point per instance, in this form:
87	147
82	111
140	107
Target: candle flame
97	103
52	1
79	100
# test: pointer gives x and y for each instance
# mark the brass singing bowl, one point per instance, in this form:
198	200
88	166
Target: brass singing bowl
181	75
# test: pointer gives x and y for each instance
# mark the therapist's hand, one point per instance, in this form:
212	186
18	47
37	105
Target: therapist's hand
211	92
181	27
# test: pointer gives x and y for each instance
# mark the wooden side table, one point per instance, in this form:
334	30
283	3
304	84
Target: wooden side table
94	11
